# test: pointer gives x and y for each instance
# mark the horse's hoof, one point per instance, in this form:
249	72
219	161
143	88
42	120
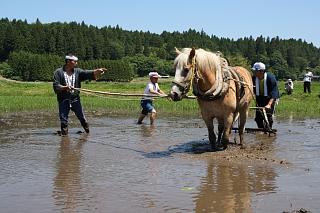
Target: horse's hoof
221	148
225	146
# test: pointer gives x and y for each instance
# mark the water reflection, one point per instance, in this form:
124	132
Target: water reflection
68	190
147	130
228	188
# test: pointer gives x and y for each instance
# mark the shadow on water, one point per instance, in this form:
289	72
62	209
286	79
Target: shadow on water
147	131
193	147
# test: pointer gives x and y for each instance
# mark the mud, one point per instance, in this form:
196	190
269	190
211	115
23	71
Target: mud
124	167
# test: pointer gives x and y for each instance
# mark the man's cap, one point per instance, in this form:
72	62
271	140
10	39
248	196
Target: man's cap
154	75
71	57
258	66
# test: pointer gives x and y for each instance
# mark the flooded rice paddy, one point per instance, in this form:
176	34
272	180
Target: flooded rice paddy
124	167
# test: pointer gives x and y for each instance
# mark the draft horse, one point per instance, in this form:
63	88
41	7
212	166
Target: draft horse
223	92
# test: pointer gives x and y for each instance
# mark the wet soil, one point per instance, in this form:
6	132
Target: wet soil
169	167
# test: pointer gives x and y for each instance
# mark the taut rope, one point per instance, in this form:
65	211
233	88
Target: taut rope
95	92
119	94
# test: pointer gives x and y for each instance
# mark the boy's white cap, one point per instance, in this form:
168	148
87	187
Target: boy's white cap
71	57
154	75
258	66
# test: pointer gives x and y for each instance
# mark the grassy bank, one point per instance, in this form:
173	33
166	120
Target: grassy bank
39	96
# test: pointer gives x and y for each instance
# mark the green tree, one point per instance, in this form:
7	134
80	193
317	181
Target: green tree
279	65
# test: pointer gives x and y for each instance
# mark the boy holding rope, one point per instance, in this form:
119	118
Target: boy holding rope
65	80
152	88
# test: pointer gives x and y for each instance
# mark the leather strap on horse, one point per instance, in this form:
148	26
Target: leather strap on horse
220	86
238	79
223	77
187	84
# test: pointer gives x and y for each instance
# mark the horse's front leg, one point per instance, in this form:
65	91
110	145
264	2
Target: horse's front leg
227	129
212	135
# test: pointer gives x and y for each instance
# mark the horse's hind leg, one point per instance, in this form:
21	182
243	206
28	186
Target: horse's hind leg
220	132
212	135
243	119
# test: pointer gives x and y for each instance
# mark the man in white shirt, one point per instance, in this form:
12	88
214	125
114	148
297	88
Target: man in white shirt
307	82
151	89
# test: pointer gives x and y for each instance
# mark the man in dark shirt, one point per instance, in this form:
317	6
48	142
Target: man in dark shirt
267	94
65	79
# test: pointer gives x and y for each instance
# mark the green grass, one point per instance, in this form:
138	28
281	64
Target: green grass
39	96
299	104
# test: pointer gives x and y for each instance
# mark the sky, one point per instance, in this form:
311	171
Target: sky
232	19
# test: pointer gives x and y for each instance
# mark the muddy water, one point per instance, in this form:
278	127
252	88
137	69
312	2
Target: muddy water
124	167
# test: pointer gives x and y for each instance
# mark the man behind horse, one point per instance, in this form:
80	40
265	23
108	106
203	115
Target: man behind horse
267	94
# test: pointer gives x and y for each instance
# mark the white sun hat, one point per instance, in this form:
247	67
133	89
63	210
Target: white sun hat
258	66
154	75
71	57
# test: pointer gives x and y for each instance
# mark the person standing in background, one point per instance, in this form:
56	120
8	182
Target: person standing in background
307	82
288	86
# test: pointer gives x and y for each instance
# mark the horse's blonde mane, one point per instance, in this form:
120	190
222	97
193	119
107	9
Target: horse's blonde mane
206	60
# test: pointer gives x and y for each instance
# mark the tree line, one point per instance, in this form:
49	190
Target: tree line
138	52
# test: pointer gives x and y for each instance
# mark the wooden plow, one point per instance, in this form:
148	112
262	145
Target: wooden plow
267	128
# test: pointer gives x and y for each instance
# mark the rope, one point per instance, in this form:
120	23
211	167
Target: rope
245	83
99	93
108	97
120	94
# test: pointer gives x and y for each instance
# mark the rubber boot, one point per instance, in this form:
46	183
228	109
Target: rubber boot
64	130
86	127
140	119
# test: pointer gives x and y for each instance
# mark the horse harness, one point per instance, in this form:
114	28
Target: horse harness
228	73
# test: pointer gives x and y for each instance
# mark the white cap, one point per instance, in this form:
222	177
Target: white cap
289	79
258	66
71	57
154	75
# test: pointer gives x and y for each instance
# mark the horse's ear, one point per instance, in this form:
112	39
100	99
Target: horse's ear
192	54
177	51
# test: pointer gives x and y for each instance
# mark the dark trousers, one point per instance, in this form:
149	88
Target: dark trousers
260	118
75	106
307	87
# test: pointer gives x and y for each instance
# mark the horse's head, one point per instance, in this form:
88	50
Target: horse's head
184	71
